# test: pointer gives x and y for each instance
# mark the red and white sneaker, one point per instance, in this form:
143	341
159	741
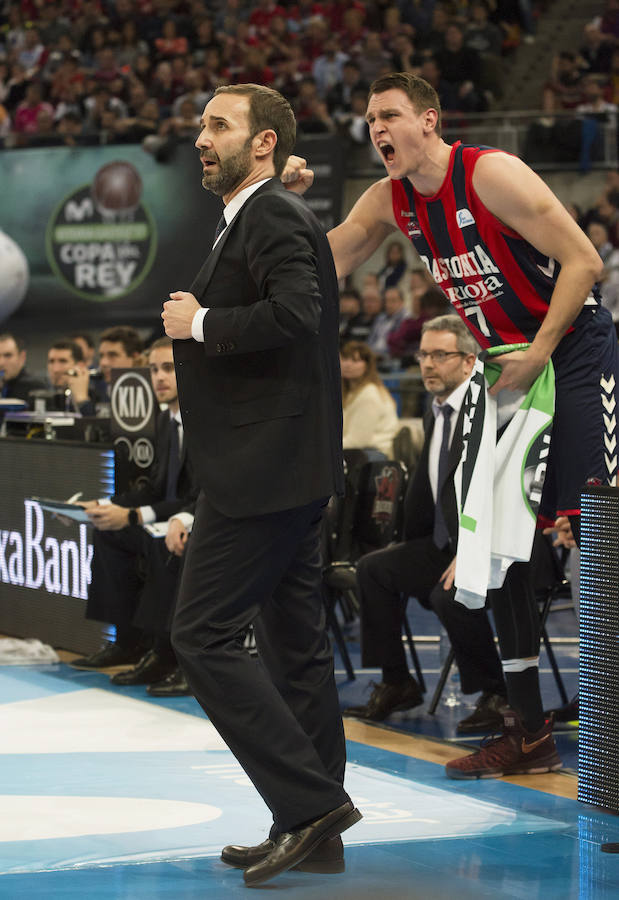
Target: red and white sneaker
515	752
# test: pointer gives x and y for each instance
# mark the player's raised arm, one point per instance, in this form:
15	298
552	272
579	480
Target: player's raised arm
364	228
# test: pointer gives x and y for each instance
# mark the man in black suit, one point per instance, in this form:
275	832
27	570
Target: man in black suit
118	592
15	381
256	353
422	565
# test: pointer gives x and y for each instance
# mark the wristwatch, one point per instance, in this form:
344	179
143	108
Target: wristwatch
133	517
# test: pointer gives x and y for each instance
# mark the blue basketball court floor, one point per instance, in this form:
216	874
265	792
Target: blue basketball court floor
107	793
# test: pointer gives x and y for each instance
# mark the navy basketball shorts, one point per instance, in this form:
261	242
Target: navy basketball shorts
584	434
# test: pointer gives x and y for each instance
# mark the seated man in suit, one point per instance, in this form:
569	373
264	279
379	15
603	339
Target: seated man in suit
87	343
117	594
73	388
63	357
15	381
120	347
420	565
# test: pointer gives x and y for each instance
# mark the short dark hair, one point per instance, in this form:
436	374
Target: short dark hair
19	341
434	301
85	336
268	109
67	344
125	335
420	92
164	341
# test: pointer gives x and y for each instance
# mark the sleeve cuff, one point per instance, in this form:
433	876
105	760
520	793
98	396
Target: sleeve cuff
148	515
185	517
197	325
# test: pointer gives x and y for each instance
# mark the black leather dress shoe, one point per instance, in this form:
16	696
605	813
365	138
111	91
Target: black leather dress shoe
326	859
293	847
386	699
174	685
487	715
610	848
151	668
109	655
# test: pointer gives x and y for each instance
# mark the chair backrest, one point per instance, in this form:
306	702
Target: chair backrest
340	513
379	510
408	443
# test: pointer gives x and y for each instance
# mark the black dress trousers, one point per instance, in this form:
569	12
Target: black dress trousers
279	714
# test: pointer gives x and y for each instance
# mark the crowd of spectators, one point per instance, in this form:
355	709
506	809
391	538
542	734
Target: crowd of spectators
98	71
601	223
388	310
585	84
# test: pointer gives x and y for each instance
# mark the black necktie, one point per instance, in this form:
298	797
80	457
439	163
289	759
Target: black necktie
441	533
174	462
220	227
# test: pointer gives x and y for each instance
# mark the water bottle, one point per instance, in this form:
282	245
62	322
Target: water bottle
452	695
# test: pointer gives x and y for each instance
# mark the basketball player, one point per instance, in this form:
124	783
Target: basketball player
517	269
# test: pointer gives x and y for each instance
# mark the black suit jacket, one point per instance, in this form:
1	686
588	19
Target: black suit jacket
19	388
419	503
153	491
261	398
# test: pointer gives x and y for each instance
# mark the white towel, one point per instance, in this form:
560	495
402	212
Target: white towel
26	651
499	483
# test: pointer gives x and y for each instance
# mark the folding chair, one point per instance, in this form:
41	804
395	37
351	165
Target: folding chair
377	499
550	584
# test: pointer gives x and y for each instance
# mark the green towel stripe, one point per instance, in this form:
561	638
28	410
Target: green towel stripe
468	523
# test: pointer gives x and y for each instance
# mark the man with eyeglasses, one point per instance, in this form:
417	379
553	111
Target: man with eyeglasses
420	566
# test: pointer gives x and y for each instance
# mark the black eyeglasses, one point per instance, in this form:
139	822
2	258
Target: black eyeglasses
437	356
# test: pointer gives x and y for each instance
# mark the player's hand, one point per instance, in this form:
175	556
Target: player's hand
87	504
178	313
296	176
176	537
520	368
109	517
562	529
448	576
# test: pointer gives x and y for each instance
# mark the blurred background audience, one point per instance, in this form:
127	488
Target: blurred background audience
370	417
91	59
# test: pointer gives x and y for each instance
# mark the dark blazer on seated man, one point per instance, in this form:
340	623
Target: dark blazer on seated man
114	591
414	567
16	382
22	386
124	550
260	396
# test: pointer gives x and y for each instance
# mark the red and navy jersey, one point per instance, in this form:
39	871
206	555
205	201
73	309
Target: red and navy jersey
499	283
